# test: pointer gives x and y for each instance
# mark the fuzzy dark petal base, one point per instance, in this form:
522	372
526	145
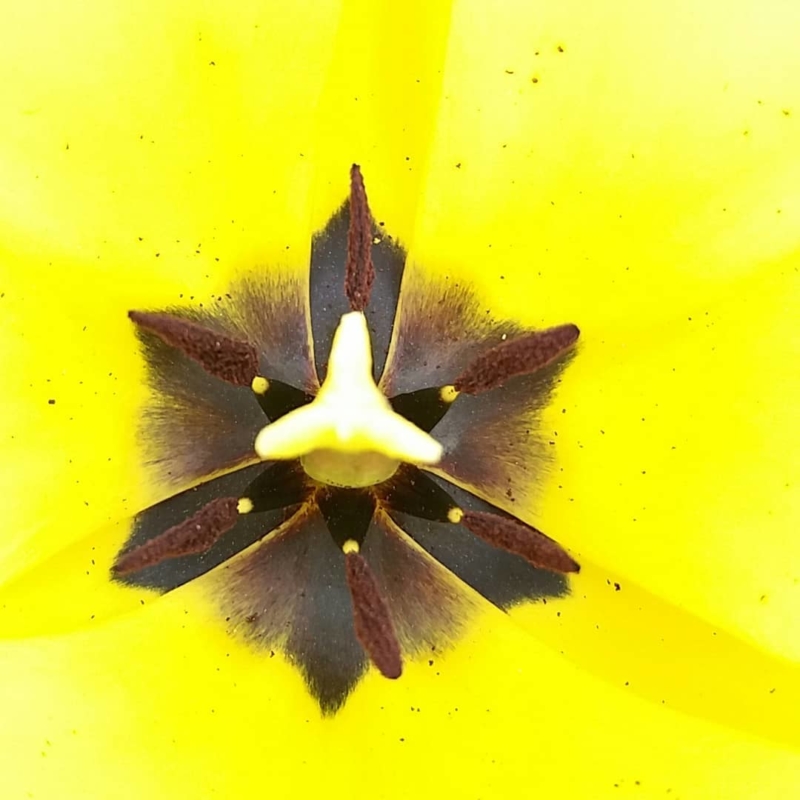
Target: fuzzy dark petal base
281	579
290	592
195	425
494	443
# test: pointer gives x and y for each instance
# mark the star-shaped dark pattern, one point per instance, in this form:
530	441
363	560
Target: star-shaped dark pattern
337	578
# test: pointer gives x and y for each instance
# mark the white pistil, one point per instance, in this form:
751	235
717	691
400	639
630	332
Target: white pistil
349	434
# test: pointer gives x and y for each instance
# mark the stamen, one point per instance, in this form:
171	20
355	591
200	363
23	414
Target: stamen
374	627
360	272
523	540
194	535
520	356
223	357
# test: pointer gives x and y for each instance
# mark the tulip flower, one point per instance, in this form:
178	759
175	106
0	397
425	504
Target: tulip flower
470	473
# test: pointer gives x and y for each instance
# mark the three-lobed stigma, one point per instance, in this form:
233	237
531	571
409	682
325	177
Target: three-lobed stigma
349	435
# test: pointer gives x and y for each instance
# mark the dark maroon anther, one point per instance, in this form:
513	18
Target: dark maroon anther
522	540
223	357
374	628
520	356
194	535
360	272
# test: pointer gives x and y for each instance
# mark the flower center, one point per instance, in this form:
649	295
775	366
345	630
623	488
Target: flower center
345	460
349	435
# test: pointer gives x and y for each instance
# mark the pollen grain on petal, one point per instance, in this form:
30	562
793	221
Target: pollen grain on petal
523	540
360	271
224	357
522	355
194	535
373	625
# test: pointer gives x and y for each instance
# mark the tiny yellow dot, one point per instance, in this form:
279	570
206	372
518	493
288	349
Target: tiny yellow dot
245	505
259	385
455	515
350	546
448	393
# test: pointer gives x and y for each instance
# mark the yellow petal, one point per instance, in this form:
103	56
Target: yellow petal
525	716
644	187
380	108
679	459
653	158
194	713
147	157
188	143
636	641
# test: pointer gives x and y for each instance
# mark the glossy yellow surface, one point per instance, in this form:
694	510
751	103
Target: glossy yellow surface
630	167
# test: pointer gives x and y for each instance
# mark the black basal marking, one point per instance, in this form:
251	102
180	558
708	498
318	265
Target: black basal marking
287	587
